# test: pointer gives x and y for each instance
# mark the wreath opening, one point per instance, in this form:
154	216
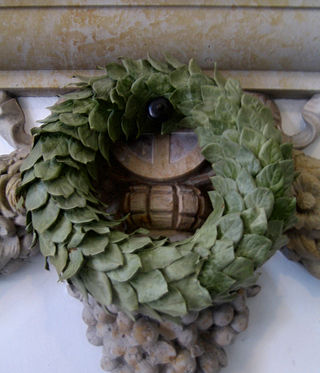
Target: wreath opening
252	203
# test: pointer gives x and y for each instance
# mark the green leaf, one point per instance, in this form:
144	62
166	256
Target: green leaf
62	107
88	137
108	260
102	87
248	161
114	125
193	67
231	227
260	197
224	185
255	220
252	140
214	280
284	208
240	269
179	77
47	170
117	236
74	120
123	86
80	153
213	152
223	253
275	228
99	227
181	268
104	146
79	180
149	286
272	177
76	238
270	152
60	230
93	244
128	270
81	215
196	296
36	196
227	167
234	202
116	99
47	247
245	182
255	247
77	95
43	218
60	259
126	296
115	71
54	146
98	285
139	89
73	201
83	106
172	303
159	84
134	244
128	127
157	258
271	132
34	155
59	187
74	265
157	65
79	285
27	178
286	150
98	118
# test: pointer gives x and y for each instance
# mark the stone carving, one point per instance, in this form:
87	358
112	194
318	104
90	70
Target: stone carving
309	125
304	239
12	122
15	242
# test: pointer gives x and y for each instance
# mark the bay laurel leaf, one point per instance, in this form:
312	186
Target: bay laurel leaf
158	65
80	153
255	220
62	107
115	71
76	237
78	95
83	106
102	87
179	77
231	227
93	244
98	118
108	260
73	266
34	155
126	296
234	202
149	286
114	125
37	196
255	247
88	137
172	303
47	247
270	152
71	202
227	167
98	285
104	146
43	218
128	270
196	296
60	230
81	215
157	258
28	177
223	253
181	268
53	146
73	120
59	260
134	244
224	185
240	269
117	236
245	182
60	187
47	170
260	197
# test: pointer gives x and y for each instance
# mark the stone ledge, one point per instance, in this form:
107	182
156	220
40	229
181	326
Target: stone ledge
287	84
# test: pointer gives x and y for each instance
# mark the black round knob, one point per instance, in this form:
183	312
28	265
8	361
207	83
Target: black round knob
159	109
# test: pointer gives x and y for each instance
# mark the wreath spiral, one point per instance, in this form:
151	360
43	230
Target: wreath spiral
252	201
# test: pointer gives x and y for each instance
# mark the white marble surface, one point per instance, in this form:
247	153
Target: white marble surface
42	330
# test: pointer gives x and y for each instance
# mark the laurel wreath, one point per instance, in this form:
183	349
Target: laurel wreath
252	202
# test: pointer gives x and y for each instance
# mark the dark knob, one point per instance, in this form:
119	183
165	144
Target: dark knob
159	109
